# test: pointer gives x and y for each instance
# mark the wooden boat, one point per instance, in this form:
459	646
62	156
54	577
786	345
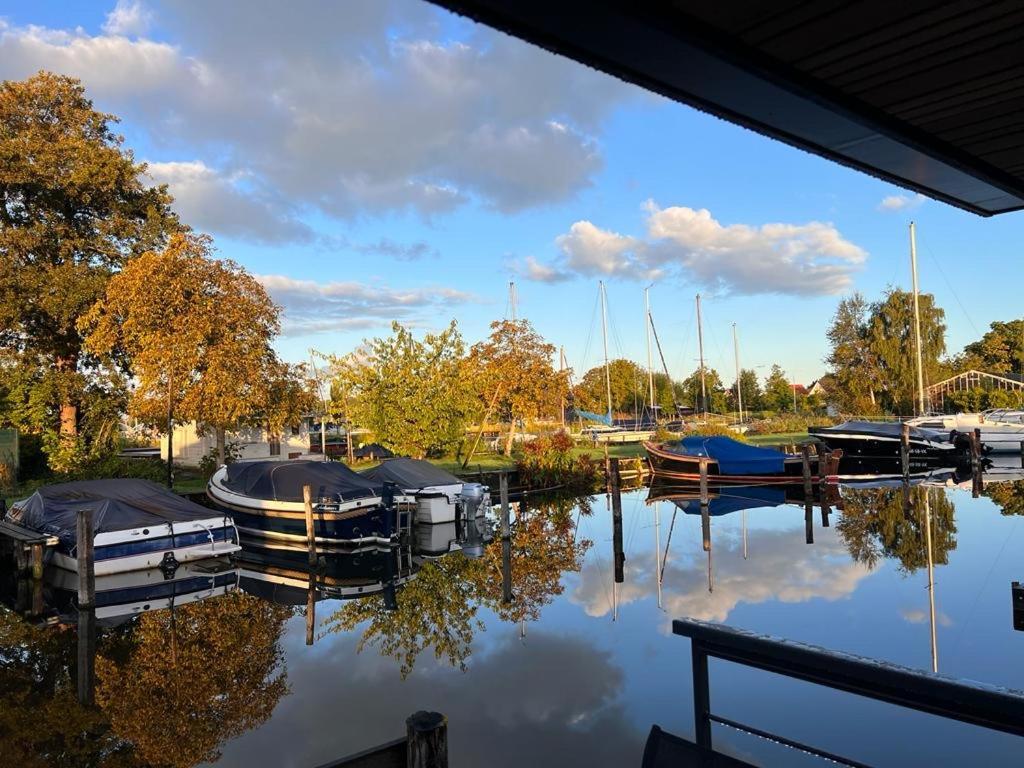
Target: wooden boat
730	462
136	525
266	500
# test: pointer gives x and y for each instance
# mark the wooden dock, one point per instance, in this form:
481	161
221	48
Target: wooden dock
28	546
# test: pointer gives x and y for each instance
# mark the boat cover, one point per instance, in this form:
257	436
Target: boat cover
890	429
411	474
116	505
735	500
283	480
733	457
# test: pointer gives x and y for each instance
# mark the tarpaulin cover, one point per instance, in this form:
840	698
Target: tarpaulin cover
116	505
736	499
733	457
411	474
283	480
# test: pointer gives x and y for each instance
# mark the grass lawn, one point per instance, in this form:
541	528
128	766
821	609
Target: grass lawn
779	437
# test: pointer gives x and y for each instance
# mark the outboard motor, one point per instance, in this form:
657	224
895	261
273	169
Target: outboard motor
472	542
472	497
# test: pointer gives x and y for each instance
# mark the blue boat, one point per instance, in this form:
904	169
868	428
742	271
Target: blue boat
729	461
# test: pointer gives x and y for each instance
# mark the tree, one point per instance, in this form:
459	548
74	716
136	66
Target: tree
778	392
853	366
890	335
717	399
630	392
73	211
413	395
750	388
515	376
1000	350
196	331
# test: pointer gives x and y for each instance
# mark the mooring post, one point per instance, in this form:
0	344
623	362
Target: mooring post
976	482
607	466
84	556
619	555
426	739
905	450
311	606
823	470
703	464
701	696
37	561
307	502
505	514
1022	453
86	678
506	542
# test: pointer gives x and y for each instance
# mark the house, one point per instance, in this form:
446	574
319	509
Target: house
298	441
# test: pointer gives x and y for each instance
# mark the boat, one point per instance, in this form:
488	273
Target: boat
872	448
136	524
1002	430
726	500
730	462
439	495
266	500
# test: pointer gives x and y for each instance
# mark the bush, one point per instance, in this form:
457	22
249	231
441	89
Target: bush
709	430
548	461
210	462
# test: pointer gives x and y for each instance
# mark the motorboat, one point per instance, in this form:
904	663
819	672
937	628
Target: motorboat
1001	430
872	448
136	525
439	495
266	499
730	461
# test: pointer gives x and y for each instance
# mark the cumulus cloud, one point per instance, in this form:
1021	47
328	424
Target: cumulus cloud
802	259
384	105
532	269
210	202
919	616
129	17
901	202
314	307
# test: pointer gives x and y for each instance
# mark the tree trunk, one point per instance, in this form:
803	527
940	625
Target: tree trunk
219	431
68	408
510	438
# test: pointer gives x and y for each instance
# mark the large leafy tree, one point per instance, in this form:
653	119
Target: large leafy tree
515	376
628	384
778	391
853	366
717	398
197	332
750	387
73	211
412	394
1000	350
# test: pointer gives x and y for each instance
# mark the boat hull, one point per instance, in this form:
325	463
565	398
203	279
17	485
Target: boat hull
685	467
865	455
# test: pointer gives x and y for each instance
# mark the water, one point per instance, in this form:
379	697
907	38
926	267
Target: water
574	672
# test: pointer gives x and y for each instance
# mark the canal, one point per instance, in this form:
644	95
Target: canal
574	671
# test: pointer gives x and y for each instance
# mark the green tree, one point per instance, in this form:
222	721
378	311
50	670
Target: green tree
778	392
1000	350
629	387
196	330
717	397
73	211
890	334
750	388
413	395
514	375
854	370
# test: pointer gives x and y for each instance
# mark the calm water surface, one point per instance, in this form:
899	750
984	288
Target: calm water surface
577	669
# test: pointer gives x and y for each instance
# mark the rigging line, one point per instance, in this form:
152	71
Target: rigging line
585	361
668	543
672	389
949	285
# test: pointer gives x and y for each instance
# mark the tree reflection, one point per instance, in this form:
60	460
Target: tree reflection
1009	497
183	681
874	524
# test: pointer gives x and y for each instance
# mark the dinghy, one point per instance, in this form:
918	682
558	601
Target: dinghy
439	494
266	500
136	524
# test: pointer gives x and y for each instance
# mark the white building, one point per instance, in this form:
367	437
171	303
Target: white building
251	443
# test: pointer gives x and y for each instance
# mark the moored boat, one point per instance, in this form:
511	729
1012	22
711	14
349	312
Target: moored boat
266	500
1001	431
439	495
136	524
873	448
729	462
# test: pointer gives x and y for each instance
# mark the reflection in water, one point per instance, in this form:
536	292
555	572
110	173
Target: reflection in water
1009	497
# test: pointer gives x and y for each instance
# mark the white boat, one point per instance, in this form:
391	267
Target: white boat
1002	430
439	495
136	524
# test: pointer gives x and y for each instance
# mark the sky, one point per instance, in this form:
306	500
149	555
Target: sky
379	160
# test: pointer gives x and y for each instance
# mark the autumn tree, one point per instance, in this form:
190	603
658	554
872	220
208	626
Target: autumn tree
73	211
628	385
514	375
412	394
196	331
1000	350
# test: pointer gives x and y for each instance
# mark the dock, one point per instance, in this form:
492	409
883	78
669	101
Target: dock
27	546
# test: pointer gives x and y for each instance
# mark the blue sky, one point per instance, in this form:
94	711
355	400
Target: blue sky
379	160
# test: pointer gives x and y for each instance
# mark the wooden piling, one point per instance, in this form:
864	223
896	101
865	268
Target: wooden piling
905	450
86	659
506	542
426	738
824	459
37	561
703	464
505	514
1022	453
311	606
615	482
84	555
977	484
307	501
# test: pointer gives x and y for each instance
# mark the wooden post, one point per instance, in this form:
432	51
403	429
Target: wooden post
607	465
426	735
905	450
976	482
701	696
37	561
617	551
805	455
84	556
503	491
506	542
703	463
823	471
311	606
1022	453
307	501
86	678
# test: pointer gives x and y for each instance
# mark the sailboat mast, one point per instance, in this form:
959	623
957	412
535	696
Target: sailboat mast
931	579
650	365
512	298
739	387
561	367
604	337
917	322
700	347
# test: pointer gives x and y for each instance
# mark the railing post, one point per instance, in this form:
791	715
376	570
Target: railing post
701	696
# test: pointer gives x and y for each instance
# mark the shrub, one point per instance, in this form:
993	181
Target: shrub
548	461
210	462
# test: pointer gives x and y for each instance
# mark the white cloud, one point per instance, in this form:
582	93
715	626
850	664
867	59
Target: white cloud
210	202
375	106
901	202
314	307
129	17
532	269
802	259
